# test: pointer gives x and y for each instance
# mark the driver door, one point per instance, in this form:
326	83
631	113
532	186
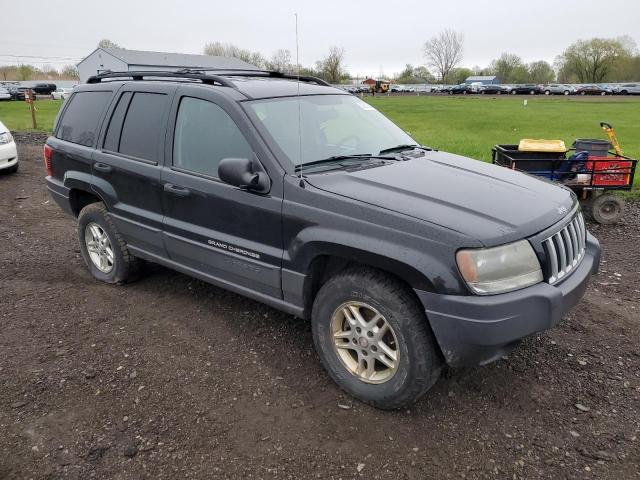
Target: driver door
229	236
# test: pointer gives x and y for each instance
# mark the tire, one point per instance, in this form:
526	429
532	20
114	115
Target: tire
124	267
607	209
532	92
418	363
603	93
547	92
583	93
513	92
624	92
566	92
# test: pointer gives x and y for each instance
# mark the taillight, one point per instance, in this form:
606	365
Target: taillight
48	165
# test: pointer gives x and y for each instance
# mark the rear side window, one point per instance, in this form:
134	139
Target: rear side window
204	135
143	126
81	119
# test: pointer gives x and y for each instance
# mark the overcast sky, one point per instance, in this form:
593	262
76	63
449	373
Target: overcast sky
376	35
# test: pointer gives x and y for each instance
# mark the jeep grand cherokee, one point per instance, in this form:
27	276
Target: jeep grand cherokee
301	196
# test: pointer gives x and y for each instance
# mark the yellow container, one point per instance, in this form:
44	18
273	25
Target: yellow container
529	145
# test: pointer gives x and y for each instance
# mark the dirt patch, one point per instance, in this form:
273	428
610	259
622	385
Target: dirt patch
170	377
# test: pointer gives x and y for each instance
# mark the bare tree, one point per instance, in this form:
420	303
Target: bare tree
230	50
332	66
280	61
444	52
106	43
70	72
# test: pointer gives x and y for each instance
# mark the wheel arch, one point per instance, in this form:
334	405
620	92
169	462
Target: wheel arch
328	259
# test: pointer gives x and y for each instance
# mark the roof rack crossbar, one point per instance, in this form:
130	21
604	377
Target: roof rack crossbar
140	75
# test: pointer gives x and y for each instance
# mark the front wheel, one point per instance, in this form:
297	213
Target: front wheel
603	93
566	92
374	339
513	92
547	92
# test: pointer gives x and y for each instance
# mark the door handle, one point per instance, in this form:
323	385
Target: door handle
176	190
102	167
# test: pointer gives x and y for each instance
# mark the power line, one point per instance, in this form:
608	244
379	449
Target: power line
38	56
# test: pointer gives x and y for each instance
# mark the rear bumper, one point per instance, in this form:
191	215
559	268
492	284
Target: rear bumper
475	330
60	194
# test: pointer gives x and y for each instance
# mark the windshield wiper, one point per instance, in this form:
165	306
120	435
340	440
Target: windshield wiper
337	159
401	148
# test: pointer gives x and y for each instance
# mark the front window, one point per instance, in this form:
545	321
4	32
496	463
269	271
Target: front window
311	128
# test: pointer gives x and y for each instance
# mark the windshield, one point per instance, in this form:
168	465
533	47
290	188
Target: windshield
331	125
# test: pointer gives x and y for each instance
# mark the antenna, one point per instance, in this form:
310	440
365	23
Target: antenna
299	106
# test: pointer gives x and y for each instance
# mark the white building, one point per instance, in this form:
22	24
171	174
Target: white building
120	60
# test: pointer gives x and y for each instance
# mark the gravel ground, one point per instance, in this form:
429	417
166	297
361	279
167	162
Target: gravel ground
170	377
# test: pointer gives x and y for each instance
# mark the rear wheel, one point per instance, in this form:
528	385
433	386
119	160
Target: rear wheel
547	92
583	93
513	92
603	93
607	209
373	338
103	248
532	92
566	92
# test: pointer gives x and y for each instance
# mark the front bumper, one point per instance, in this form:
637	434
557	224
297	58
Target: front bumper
8	155
475	330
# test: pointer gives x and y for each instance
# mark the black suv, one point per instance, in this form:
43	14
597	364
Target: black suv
44	88
306	198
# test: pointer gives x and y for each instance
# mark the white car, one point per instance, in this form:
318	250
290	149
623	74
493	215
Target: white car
4	94
8	151
61	93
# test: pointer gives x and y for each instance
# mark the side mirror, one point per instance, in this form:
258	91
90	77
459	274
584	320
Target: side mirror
244	173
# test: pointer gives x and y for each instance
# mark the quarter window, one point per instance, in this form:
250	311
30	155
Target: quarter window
81	118
204	135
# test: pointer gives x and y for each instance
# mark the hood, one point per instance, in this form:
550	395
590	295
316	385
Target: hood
491	204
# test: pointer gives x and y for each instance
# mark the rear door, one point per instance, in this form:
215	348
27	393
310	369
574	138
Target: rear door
126	167
232	237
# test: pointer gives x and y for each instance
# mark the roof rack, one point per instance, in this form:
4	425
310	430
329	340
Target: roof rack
220	77
140	75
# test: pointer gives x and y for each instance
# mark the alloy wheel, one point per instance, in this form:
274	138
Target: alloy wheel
365	342
99	247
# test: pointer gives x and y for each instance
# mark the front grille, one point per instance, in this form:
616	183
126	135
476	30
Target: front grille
565	250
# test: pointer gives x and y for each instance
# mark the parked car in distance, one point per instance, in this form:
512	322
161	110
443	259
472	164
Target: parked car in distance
8	151
629	89
44	88
16	92
526	89
557	89
492	90
461	89
333	226
63	93
593	90
4	94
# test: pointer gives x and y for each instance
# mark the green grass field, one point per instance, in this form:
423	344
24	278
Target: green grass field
468	126
17	116
472	125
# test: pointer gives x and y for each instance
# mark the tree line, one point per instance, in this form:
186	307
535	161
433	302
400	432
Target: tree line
598	60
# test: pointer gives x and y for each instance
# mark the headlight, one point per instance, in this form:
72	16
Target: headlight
500	269
5	138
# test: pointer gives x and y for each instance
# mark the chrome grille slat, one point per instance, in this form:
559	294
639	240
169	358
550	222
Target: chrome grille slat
565	248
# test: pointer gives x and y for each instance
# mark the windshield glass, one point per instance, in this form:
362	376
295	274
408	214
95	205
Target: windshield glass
331	125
